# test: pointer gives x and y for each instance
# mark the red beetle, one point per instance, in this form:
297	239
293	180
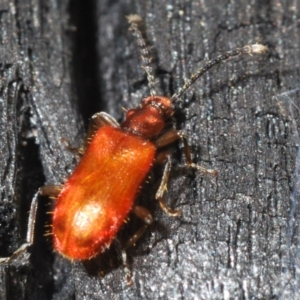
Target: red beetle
96	199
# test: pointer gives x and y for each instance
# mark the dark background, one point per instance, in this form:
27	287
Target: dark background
61	61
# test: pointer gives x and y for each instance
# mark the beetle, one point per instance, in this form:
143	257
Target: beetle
98	196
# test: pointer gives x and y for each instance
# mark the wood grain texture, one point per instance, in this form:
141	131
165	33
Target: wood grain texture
238	236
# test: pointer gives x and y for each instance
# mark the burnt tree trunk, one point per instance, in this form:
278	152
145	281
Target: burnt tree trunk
238	236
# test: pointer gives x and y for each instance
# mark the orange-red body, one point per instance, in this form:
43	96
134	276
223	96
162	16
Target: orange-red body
98	196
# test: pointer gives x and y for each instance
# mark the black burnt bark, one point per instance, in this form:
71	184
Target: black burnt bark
61	61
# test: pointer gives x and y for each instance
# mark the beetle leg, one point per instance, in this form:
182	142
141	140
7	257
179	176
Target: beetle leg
163	187
76	150
49	190
97	121
30	231
188	158
145	215
167	138
123	254
162	156
52	191
126	267
172	136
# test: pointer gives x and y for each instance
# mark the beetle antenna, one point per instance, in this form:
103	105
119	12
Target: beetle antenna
248	49
135	22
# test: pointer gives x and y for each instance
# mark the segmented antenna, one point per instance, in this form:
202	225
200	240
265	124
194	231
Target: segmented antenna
249	49
135	22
